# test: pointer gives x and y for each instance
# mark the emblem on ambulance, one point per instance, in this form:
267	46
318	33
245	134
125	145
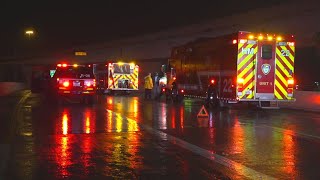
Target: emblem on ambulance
266	68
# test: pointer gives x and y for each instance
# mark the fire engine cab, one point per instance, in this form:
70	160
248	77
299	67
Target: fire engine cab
74	81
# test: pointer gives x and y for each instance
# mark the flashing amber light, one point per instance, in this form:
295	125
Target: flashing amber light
75	65
240	80
290	81
132	64
270	38
279	38
234	41
251	36
64	65
66	84
260	37
120	63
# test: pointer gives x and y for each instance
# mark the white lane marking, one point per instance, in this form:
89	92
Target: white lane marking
239	168
293	133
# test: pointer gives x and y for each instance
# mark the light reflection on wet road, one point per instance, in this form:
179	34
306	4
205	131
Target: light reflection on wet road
108	140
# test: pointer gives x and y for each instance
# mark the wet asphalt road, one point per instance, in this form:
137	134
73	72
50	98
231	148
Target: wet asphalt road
127	137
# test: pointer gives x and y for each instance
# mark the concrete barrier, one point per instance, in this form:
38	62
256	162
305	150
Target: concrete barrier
305	100
7	88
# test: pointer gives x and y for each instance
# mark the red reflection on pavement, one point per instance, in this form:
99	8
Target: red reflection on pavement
65	124
238	138
182	117
109	121
87	125
289	153
173	118
63	152
89	121
134	145
135	108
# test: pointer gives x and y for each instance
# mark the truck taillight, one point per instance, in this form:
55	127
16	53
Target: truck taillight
182	91
90	83
66	83
240	82
290	82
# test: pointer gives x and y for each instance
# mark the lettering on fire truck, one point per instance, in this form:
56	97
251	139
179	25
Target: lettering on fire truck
247	50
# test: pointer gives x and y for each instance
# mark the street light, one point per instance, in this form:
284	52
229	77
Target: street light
29	33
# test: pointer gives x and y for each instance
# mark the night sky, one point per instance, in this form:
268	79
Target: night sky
62	25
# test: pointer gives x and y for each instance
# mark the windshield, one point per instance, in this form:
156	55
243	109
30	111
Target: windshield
75	72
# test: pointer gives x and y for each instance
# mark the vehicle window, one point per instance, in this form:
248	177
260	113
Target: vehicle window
266	51
75	72
123	69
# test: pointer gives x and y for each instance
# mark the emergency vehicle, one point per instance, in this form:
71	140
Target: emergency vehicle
117	76
74	81
247	67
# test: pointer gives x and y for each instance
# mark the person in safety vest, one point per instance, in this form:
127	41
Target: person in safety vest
148	85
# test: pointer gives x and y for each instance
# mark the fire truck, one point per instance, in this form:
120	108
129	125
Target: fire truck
117	77
247	67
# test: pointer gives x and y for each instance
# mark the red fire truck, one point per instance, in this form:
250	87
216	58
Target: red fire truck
247	67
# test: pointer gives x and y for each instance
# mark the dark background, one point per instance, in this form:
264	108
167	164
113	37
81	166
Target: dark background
66	24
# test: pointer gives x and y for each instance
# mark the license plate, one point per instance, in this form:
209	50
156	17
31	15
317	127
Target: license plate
76	83
76	92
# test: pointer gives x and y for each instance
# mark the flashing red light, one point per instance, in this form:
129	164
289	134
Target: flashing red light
59	65
182	90
234	41
66	84
290	81
163	90
64	65
174	78
212	81
89	65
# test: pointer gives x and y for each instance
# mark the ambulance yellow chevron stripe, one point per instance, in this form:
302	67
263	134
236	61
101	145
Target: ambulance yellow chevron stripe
132	77
284	70
245	69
